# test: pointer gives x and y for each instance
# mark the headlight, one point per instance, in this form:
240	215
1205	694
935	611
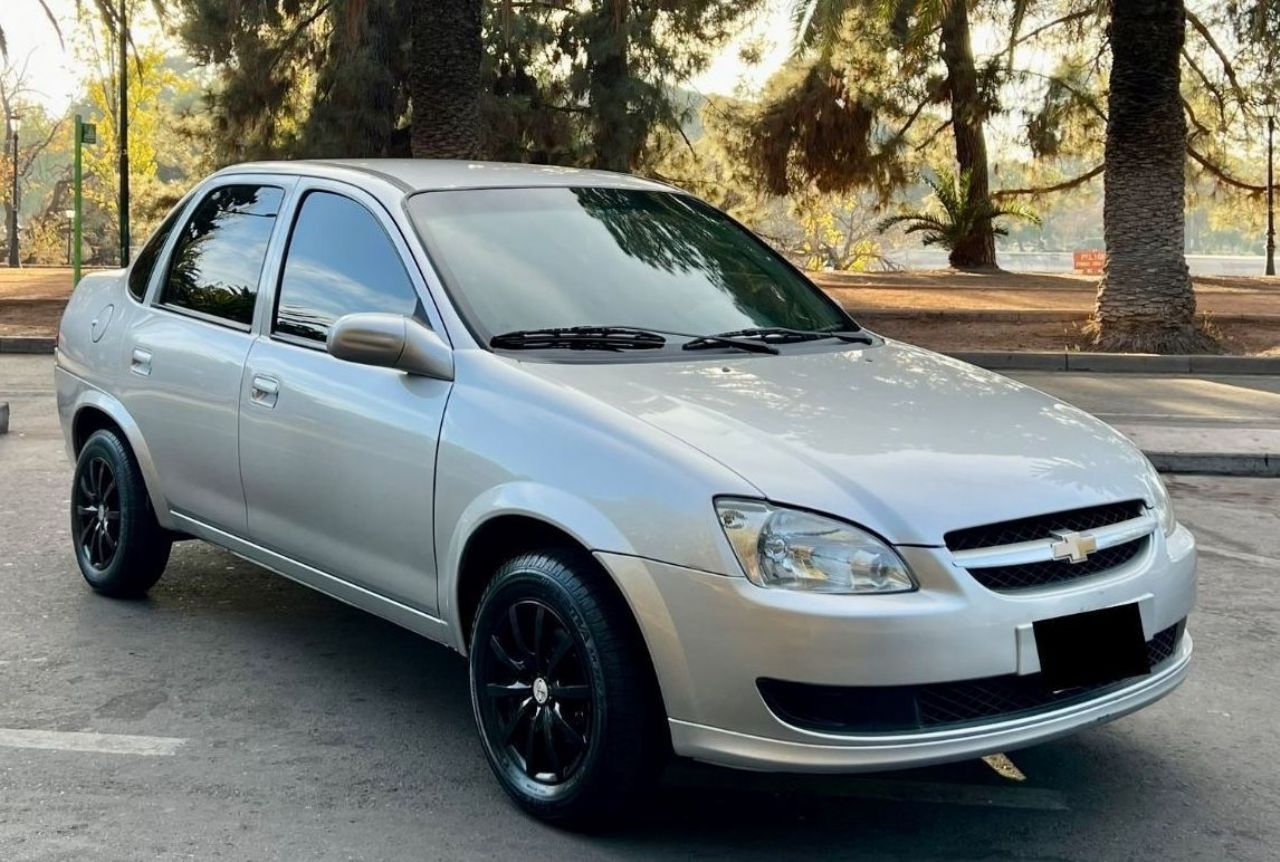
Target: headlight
795	550
1162	504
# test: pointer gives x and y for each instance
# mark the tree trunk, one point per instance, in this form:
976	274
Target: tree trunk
615	139
1145	301
444	79
977	250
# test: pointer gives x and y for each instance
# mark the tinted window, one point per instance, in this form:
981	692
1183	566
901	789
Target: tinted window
340	261
145	263
528	258
219	255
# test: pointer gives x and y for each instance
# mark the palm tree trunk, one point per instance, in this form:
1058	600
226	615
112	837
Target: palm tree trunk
615	139
968	113
1146	302
444	79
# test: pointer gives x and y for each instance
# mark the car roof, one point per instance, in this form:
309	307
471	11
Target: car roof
415	175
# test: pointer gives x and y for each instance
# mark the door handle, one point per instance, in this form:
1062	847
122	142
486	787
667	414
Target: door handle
140	361
264	390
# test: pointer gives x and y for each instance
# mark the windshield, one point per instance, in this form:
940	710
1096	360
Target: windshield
536	258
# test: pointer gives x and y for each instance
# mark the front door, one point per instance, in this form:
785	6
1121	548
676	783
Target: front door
186	351
338	459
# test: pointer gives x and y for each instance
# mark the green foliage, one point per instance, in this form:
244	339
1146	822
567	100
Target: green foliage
837	118
814	230
956	215
578	84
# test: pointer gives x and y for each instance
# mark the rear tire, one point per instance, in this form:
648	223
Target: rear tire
563	692
121	549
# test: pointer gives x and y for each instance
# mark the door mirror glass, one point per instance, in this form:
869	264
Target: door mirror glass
390	341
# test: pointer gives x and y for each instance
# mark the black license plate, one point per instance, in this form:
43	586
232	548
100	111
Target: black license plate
1093	648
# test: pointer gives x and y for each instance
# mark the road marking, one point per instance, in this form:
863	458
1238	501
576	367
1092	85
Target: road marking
1238	555
99	743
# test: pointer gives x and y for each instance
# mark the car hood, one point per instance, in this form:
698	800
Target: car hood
903	441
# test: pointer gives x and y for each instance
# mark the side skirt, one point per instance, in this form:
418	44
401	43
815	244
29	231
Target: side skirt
402	615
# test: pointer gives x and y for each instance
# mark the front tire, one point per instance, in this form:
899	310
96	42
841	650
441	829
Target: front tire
564	698
120	547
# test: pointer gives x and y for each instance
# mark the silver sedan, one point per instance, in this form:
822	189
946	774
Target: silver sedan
663	493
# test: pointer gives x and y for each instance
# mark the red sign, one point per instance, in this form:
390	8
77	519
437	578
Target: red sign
1089	261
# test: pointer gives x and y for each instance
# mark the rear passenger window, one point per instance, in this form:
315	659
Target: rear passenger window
145	263
219	255
340	261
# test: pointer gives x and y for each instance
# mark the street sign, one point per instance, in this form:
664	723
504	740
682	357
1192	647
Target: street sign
85	133
1090	261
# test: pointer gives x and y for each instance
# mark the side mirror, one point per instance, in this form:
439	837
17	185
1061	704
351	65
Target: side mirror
390	341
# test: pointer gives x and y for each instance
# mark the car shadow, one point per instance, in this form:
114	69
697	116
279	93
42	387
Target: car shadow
329	678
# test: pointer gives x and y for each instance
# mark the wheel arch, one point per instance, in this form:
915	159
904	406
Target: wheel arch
509	534
508	520
96	411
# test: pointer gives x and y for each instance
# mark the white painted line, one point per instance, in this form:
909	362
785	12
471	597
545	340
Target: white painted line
1237	555
98	743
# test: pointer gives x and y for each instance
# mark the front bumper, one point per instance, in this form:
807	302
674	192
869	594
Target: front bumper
712	637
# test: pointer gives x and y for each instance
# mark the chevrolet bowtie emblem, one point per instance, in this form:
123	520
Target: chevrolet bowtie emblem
1075	547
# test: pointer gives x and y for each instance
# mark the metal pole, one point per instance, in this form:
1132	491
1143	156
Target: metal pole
76	198
1271	212
13	215
123	24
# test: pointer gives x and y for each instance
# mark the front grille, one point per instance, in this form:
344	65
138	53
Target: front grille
1027	575
1161	647
1006	578
895	709
1042	526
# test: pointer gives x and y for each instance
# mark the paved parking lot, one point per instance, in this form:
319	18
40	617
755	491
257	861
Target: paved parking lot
242	717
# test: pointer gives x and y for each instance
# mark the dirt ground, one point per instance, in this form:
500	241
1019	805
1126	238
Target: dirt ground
1240	338
1013	290
31	301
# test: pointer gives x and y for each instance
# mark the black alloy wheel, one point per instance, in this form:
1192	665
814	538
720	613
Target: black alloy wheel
537	693
97	514
565	696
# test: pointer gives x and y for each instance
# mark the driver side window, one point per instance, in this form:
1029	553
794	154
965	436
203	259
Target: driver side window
339	261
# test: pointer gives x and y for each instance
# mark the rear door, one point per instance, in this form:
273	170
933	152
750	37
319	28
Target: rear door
186	348
338	459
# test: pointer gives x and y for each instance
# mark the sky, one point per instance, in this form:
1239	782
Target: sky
53	73
33	43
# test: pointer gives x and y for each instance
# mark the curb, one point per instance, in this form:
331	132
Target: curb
970	315
27	343
994	360
1024	315
1211	464
1122	363
1177	463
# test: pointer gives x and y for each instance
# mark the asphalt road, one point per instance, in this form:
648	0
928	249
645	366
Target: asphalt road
258	720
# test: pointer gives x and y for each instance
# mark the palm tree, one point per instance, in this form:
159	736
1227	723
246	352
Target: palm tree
1146	302
444	79
817	25
962	216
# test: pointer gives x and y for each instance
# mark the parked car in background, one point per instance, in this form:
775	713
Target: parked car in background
662	492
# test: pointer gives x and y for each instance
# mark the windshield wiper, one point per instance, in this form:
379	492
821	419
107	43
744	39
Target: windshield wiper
768	335
580	338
